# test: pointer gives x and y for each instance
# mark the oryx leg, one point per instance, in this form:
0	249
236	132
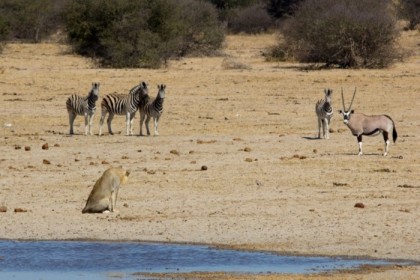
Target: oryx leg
359	140
385	135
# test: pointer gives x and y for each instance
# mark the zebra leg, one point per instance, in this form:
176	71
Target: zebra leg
91	124
319	128
110	117
385	135
147	124
327	129
142	115
127	123
86	122
359	140
101	122
72	117
156	124
131	123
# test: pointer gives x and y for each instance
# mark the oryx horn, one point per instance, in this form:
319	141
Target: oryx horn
342	99
351	103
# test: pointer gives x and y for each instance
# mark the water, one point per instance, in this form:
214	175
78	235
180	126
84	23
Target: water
100	260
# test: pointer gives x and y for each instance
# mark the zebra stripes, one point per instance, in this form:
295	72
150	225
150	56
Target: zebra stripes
78	105
119	104
324	112
153	110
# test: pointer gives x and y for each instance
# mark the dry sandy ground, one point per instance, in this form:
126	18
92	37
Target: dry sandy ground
269	184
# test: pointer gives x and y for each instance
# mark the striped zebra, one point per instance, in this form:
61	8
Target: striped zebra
121	104
324	113
86	106
153	109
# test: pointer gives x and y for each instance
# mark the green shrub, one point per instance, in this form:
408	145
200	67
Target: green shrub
143	33
345	33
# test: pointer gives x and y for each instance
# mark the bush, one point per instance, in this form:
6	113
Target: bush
410	10
252	19
281	8
29	20
124	33
345	33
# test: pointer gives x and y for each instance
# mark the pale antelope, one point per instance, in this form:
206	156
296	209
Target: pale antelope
361	124
324	113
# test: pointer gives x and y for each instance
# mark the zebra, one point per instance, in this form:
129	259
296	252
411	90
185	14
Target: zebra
78	105
324	113
121	104
152	109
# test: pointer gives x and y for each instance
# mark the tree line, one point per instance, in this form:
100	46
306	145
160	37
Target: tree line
146	33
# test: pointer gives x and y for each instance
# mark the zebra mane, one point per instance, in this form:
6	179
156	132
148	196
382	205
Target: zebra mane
141	86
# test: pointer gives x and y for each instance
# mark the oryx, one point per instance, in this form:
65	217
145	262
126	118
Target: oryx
361	124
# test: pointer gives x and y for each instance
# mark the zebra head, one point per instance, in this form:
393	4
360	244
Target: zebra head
143	89
94	92
161	92
347	113
328	93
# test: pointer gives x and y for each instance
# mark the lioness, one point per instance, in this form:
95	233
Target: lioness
103	196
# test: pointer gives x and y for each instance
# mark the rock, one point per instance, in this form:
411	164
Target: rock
45	146
3	209
46	161
204	167
27	148
20	210
359	205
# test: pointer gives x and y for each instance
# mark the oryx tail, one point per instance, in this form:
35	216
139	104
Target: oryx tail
394	131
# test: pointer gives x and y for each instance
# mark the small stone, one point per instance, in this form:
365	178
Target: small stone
45	146
20	210
3	209
359	205
46	161
247	149
249	160
105	162
204	167
17	147
27	148
174	152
